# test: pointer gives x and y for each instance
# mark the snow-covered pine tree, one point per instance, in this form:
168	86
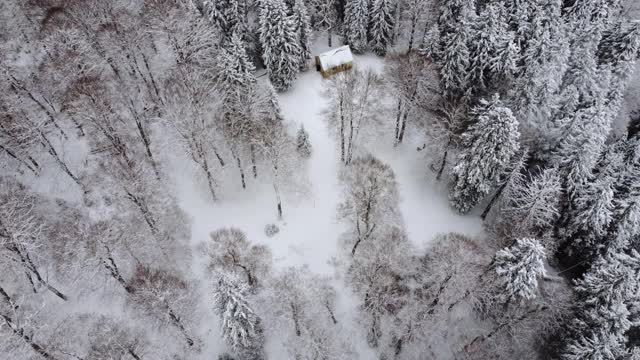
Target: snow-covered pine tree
455	59
493	53
228	15
381	26
281	50
592	208
356	21
540	35
619	48
302	27
234	69
302	142
488	147
241	327
454	27
607	302
519	267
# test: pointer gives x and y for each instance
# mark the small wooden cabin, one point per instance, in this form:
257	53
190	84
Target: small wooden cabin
334	61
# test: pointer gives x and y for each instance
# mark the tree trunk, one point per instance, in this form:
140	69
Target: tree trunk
8	299
254	166
20	332
144	210
296	321
329	36
403	127
220	160
55	155
398	117
331	314
147	144
177	323
414	24
210	181
133	354
28	264
443	163
342	152
495	197
278	199
239	163
15	157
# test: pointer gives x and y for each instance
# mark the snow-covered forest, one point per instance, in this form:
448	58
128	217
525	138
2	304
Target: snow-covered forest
178	182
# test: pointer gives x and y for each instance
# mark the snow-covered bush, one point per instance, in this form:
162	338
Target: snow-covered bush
271	230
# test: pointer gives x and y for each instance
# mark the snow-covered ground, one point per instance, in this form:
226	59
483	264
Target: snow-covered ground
310	228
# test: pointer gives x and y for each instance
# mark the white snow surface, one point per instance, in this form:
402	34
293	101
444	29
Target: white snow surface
336	57
310	228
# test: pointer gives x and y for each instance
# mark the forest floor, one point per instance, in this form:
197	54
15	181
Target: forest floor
310	228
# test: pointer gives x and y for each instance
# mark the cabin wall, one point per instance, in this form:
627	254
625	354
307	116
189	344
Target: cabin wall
335	70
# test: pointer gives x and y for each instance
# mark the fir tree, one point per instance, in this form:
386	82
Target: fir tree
228	15
519	267
454	27
492	51
488	147
607	299
281	51
234	69
302	142
356	20
381	26
454	61
302	27
241	327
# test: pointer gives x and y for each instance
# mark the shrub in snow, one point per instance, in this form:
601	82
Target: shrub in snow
302	142
271	230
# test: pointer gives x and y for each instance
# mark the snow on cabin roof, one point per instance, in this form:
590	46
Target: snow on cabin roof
335	57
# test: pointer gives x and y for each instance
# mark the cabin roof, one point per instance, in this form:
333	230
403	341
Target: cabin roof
335	57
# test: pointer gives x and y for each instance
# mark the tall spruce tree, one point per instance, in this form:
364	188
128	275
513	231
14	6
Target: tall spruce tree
519	267
488	147
302	27
241	327
356	21
234	69
281	50
230	16
381	26
606	306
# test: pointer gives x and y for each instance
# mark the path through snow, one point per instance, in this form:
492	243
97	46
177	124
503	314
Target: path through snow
310	229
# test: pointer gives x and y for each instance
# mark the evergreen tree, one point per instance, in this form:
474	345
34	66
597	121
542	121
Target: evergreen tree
302	142
593	205
519	267
607	302
281	51
302	27
540	36
234	69
381	26
493	53
454	27
230	16
454	60
488	147
241	327
356	20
